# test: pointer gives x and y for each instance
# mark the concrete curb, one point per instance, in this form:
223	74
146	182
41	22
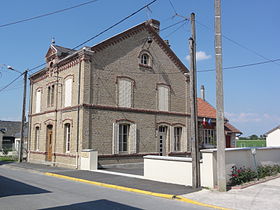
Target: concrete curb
160	195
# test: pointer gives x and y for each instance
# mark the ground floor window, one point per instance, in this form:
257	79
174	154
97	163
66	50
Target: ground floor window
37	135
177	138
209	136
67	137
123	137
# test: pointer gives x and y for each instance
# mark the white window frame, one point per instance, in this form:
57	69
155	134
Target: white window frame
131	138
163	97
67	137
37	138
178	138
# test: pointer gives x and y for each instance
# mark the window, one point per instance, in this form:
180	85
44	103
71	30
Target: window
177	138
68	92
123	137
67	136
50	98
163	98
209	136
36	139
38	101
125	93
145	59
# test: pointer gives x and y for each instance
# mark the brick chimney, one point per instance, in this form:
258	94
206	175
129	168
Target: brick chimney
155	24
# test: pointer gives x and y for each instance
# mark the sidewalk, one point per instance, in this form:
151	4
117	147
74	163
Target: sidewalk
260	196
110	178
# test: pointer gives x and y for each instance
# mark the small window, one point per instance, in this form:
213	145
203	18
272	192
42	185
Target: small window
145	59
209	136
177	138
67	136
123	137
36	139
50	97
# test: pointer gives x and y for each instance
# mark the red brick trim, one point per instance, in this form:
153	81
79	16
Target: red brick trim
67	121
125	77
125	120
64	155
69	75
54	110
49	122
145	66
125	109
126	155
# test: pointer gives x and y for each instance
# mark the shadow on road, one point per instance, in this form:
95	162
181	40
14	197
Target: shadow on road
98	204
10	187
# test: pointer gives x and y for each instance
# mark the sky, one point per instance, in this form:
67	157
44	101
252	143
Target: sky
250	30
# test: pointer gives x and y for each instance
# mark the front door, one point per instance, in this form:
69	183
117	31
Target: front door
49	142
228	142
162	139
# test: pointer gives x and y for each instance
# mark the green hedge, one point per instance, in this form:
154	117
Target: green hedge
251	143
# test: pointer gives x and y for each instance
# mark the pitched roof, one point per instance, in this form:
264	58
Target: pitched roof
204	109
278	127
231	128
63	49
10	128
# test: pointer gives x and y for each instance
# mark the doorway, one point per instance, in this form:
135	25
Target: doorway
162	131
49	142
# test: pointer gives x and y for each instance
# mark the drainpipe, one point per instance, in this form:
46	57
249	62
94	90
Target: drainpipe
78	116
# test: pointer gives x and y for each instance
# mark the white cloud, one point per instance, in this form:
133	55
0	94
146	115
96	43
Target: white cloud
251	117
200	55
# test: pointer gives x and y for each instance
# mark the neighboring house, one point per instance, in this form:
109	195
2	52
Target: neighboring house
273	137
125	97
8	130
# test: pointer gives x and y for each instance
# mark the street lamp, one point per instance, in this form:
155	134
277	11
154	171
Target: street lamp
23	111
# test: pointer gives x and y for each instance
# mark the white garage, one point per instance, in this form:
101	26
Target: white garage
273	137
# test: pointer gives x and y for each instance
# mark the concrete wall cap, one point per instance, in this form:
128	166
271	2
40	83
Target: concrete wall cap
156	157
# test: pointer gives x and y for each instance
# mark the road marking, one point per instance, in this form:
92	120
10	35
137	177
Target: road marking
128	189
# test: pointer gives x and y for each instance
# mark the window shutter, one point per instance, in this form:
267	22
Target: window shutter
132	139
163	96
125	89
171	138
115	139
184	143
38	101
68	92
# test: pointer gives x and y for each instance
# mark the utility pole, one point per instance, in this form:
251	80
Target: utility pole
220	130
193	94
22	118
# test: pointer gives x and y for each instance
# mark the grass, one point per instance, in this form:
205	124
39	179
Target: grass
8	158
251	143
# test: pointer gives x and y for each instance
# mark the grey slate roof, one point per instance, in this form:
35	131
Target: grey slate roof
10	128
64	50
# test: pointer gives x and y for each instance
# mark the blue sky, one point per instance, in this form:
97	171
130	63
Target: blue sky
251	94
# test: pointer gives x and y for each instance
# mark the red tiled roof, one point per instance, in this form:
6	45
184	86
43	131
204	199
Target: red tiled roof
231	128
204	109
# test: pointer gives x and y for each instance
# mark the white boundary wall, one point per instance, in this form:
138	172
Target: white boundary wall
178	170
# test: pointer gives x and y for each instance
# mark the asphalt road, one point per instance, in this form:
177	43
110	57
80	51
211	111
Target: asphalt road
23	189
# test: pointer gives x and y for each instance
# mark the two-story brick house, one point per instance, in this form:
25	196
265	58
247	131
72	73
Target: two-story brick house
125	97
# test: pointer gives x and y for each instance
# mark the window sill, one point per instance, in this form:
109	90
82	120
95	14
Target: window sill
145	66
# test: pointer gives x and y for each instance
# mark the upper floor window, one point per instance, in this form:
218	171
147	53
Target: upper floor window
67	136
38	101
145	59
50	98
125	93
163	98
177	138
68	92
37	137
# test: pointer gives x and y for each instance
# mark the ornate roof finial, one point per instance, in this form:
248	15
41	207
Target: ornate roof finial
53	40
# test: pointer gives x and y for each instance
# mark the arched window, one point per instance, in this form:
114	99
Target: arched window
36	139
145	59
67	136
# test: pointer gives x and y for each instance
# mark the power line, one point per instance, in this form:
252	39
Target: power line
102	32
6	86
47	14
